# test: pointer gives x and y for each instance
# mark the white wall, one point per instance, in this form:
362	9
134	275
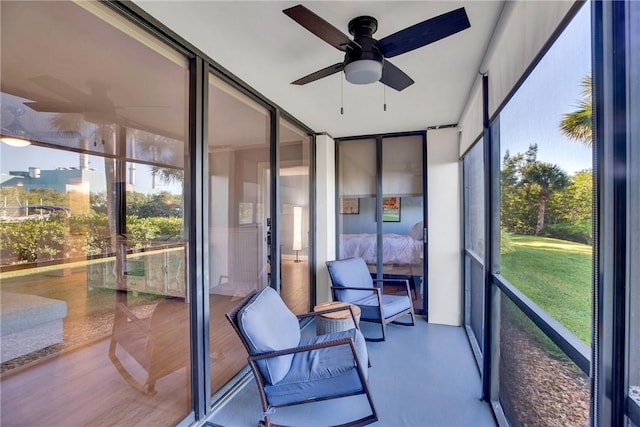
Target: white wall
444	246
326	213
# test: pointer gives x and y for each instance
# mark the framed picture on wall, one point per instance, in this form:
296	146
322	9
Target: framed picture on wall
391	209
349	205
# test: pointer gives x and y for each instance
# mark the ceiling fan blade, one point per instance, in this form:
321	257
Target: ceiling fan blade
61	89
53	107
320	27
332	69
423	33
394	77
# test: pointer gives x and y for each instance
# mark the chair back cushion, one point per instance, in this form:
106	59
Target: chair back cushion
267	325
350	272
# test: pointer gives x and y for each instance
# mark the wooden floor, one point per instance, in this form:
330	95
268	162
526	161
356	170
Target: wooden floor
78	384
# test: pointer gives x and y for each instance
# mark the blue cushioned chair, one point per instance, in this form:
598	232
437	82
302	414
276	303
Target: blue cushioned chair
289	369
353	283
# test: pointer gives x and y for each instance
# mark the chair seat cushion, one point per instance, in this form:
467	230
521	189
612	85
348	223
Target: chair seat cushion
393	304
321	373
280	331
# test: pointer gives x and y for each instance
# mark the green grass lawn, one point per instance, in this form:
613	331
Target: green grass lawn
556	275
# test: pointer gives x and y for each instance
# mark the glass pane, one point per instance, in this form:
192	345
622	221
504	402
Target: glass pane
295	156
474	200
538	384
93	260
474	277
357	201
546	181
239	176
403	215
474	239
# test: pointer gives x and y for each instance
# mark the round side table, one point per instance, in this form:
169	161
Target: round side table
336	321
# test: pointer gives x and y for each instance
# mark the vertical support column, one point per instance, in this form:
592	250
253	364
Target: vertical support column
196	228
275	200
610	69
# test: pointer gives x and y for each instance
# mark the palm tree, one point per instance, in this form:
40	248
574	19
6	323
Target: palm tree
578	124
550	178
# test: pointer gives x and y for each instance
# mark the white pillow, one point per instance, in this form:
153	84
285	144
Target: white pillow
417	231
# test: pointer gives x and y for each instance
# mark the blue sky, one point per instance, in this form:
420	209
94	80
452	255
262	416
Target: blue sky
552	89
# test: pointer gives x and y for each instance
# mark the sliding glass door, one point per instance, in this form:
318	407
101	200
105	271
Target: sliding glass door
93	278
239	206
381	213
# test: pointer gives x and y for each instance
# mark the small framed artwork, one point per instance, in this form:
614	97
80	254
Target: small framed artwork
349	205
391	209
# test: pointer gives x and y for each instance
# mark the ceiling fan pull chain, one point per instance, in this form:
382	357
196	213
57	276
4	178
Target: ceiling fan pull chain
384	96
341	96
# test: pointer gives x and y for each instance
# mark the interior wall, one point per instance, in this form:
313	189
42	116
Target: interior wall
325	213
444	244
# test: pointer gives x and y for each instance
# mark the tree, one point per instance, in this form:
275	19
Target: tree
577	125
549	178
527	186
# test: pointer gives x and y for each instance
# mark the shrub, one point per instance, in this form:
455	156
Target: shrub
579	232
506	245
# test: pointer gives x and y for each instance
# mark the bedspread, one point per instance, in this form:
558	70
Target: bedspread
396	248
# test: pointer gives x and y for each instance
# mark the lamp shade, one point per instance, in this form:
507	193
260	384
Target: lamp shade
15	142
363	72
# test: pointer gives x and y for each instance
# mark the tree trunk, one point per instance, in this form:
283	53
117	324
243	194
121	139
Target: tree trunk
544	196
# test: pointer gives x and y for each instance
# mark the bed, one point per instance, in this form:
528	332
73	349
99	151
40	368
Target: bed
397	249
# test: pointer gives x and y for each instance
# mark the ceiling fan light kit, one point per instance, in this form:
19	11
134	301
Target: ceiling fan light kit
365	59
15	134
363	72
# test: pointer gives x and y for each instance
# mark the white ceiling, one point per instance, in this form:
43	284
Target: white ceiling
267	50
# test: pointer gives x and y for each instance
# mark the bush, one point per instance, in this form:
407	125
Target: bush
506	245
579	232
35	239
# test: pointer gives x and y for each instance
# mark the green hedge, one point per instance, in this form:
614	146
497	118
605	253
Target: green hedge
579	232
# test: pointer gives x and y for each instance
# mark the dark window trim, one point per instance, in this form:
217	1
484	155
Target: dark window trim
572	346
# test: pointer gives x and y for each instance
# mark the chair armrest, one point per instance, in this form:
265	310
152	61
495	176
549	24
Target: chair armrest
353	288
406	283
304	348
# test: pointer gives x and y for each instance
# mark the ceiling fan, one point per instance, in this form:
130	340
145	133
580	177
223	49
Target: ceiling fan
365	59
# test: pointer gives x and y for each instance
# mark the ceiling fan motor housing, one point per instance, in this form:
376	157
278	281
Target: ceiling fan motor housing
362	29
363	65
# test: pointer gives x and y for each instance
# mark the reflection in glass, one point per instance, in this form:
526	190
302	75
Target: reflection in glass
538	384
93	261
295	158
239	206
357	191
403	214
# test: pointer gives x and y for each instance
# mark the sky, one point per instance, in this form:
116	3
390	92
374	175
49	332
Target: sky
552	89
